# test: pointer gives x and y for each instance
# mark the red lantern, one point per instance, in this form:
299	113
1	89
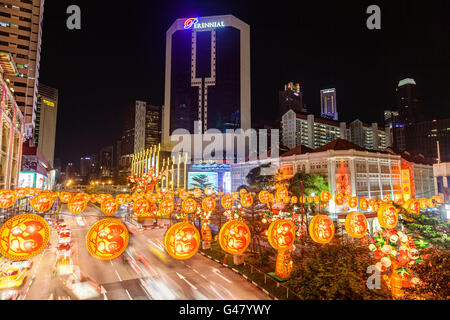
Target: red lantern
264	196
294	200
363	204
65	197
353	202
206	232
103	197
234	237
198	193
430	203
166	207
246	199
182	241
20	193
107	239
227	201
121	199
412	206
310	199
321	229
208	204
339	199
24	236
83	196
356	224
93	198
7	199
316	199
109	206
42	202
77	205
281	234
141	207
281	193
325	196
189	205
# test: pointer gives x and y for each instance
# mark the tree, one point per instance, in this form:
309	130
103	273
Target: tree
201	181
262	177
312	183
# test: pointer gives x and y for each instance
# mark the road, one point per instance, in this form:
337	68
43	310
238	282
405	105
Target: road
149	274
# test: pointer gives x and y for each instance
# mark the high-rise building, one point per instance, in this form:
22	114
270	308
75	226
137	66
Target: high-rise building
291	98
70	170
207	75
328	105
20	34
408	102
153	119
85	167
390	121
46	116
106	161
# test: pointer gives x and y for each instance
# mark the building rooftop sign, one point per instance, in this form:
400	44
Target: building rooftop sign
194	23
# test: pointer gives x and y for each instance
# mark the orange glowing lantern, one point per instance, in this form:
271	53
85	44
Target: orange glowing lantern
430	203
234	237
208	204
321	229
7	199
363	204
264	196
93	198
353	202
182	241
23	236
206	231
325	196
30	191
423	203
316	199
166	207
65	197
121	198
83	196
102	197
438	199
412	206
209	191
141	207
153	198
356	224
281	234
77	205
227	201
281	193
109	206
107	239
284	264
302	199
183	194
376	205
387	216
371	202
42	202
242	192
246	199
310	199
189	205
339	199
20	193
198	193
294	200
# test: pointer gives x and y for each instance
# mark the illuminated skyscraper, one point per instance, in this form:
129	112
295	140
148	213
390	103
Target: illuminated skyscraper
328	103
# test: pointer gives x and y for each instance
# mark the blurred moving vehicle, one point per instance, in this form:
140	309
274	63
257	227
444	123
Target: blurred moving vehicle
158	250
64	249
12	278
64	265
26	264
80	289
10	295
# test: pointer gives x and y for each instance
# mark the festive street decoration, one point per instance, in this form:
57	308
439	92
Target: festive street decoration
102	197
189	205
281	234
83	196
356	224
208	204
107	239
325	196
109	206
339	199
246	199
93	198
20	193
198	193
23	236
284	264
206	231
227	201
234	237
387	216
166	207
77	205
121	199
264	196
7	199
42	202
65	197
321	229
363	204
353	202
182	241
412	206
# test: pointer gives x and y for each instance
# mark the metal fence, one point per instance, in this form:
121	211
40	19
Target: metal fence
22	206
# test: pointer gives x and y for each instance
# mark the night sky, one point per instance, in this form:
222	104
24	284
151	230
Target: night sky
119	56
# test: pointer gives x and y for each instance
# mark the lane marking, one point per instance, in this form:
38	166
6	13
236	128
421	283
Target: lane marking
111	263
128	294
117	274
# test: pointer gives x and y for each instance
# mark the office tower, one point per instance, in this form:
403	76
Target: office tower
328	103
152	126
70	170
20	34
207	75
85	167
291	98
46	117
408	102
106	161
390	119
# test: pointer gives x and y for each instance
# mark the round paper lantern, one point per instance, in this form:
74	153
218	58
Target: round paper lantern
189	205
294	200
356	224
430	203
42	202
242	192
102	197
166	207
141	207
325	196
109	206
198	193
227	201
310	199
412	206
302	199
183	194
65	197
83	196
321	228
264	196
234	237
20	193
23	236
30	191
438	199
182	240
153	198
423	203
208	204
353	202
316	199
209	191
376	205
121	198
107	239
387	216
281	193
363	204
93	198
77	205
246	199
339	199
281	234
7	199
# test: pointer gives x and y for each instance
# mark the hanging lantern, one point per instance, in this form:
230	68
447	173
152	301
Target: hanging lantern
387	216
77	205
316	199
356	224
376	205
83	196
325	196
234	237
281	234
208	204
183	194
310	199
412	206
206	231
153	198
321	229
141	207
42	203
107	239
423	202
246	199
227	201
198	193
109	206
339	199
102	197
93	198
23	236
302	199
30	191
353	202
121	199
166	207
65	197
398	198
263	196
281	193
182	241
242	192
438	199
430	203
169	196
189	205
7	199
20	193
363	204
294	200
